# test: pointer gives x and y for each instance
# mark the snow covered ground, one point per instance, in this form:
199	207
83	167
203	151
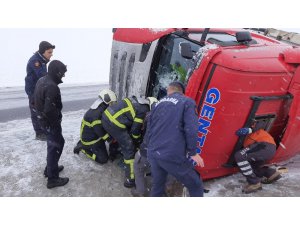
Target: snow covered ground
22	161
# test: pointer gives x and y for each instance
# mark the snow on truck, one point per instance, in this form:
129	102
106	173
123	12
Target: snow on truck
235	76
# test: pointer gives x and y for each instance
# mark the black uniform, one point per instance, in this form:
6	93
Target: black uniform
48	104
124	121
93	136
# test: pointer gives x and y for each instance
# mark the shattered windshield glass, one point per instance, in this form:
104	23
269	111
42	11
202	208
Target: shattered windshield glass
172	66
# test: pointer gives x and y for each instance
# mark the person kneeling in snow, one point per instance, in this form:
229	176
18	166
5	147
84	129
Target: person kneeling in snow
92	135
259	147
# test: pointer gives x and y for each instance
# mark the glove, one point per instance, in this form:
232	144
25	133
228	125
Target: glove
243	131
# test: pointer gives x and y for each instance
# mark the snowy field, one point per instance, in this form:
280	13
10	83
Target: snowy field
22	161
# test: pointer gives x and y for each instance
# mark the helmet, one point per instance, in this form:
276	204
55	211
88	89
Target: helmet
107	96
151	101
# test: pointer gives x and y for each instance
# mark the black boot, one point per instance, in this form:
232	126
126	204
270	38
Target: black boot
77	148
129	183
60	168
56	182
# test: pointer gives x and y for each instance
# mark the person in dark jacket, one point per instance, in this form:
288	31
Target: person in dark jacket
92	134
258	147
172	138
124	121
48	105
36	68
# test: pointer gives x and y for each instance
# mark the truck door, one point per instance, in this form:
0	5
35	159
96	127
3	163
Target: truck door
168	65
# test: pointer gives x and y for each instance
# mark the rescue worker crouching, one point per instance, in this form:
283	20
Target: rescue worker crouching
92	135
124	121
259	147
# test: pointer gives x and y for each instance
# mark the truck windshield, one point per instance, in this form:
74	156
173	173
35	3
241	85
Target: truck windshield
172	66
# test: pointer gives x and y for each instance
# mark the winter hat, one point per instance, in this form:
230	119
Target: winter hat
178	84
45	45
57	68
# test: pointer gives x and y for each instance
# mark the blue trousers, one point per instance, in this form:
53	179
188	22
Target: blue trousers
55	145
183	172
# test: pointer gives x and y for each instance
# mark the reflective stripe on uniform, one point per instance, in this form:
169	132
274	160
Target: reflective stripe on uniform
242	163
246	168
248	173
130	163
113	118
135	136
94	123
93	157
138	120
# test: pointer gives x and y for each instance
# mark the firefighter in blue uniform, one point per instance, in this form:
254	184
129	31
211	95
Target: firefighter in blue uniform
92	134
36	68
48	105
172	138
124	121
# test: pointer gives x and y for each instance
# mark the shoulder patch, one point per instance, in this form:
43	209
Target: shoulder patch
37	64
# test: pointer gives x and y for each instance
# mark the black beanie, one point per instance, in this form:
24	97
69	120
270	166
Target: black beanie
45	45
178	84
57	68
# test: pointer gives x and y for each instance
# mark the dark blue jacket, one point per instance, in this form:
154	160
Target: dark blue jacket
172	128
36	68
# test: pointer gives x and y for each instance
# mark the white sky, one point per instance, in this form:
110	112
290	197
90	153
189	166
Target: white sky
86	52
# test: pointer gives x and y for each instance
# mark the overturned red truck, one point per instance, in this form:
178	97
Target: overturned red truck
235	76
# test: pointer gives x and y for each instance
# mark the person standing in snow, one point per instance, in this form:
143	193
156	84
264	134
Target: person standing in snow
259	147
48	105
92	135
36	68
172	134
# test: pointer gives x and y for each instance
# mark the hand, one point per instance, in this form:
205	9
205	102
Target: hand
197	158
243	131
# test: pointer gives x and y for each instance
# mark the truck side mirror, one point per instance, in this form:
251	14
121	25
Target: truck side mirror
185	50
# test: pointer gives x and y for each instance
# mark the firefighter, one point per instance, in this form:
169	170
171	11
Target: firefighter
172	138
123	121
36	68
258	147
92	134
48	105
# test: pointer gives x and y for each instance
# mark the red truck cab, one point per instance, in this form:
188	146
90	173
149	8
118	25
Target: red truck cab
233	75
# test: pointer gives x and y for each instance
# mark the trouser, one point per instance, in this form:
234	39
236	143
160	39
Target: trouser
55	145
141	168
98	151
125	142
251	159
35	123
183	172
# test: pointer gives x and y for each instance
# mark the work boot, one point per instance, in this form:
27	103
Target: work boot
56	182
252	188
129	183
135	193
41	137
77	148
60	168
275	176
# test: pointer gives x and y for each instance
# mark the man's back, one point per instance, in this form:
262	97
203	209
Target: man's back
172	128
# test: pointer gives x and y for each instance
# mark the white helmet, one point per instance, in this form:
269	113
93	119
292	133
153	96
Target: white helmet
151	101
107	96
